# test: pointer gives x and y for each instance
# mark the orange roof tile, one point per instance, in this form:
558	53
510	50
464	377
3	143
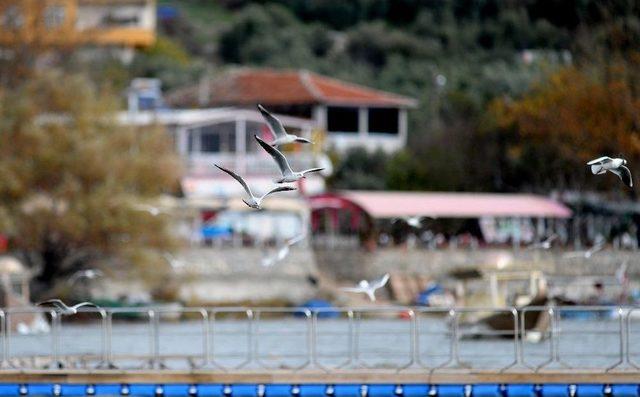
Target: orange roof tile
283	87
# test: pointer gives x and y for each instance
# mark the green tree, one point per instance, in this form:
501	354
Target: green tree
70	176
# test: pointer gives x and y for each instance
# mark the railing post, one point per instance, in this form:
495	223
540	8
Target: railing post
104	339
623	335
154	341
455	338
250	337
3	328
205	337
356	340
55	336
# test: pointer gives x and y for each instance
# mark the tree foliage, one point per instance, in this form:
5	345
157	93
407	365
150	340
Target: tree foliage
70	175
569	119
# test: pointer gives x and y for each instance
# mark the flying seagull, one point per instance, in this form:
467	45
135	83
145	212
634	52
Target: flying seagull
253	201
413	221
88	274
152	210
621	273
617	166
369	288
282	252
62	308
288	175
174	262
277	129
545	244
586	254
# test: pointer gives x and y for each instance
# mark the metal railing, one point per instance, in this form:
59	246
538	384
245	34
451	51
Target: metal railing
535	339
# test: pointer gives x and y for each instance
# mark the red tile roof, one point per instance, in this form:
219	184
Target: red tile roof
282	87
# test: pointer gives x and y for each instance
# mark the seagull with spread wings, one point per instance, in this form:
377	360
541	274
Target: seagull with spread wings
280	135
62	308
616	166
545	244
586	254
282	252
150	209
288	175
369	288
254	201
413	221
89	274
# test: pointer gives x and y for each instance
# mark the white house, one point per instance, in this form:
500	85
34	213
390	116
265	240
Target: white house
352	115
225	136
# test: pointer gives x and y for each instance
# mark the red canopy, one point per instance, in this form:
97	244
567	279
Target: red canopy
386	204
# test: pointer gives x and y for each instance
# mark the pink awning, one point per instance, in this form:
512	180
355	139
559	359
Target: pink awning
455	205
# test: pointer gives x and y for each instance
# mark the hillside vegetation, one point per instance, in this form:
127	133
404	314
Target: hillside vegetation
480	69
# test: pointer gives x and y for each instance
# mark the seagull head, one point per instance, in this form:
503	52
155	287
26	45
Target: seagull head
251	204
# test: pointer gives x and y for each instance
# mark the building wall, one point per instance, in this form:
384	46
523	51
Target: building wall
128	23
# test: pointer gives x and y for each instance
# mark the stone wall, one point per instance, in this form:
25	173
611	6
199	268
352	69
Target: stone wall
236	275
355	264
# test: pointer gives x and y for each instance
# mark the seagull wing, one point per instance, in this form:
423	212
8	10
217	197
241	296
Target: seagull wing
311	170
277	155
381	282
282	252
54	302
621	272
275	125
371	293
596	248
74	277
81	304
352	289
268	259
278	189
600	160
237	178
297	239
624	174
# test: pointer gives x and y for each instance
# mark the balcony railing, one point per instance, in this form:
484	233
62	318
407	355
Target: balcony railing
249	164
598	339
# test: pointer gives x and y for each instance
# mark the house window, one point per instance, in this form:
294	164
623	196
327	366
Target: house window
342	119
12	18
259	129
214	138
124	17
383	120
209	142
54	16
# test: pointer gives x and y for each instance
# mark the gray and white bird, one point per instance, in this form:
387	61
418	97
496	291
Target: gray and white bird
281	252
616	166
545	244
175	263
288	175
413	221
369	288
586	254
150	209
280	135
254	201
62	308
622	276
89	274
